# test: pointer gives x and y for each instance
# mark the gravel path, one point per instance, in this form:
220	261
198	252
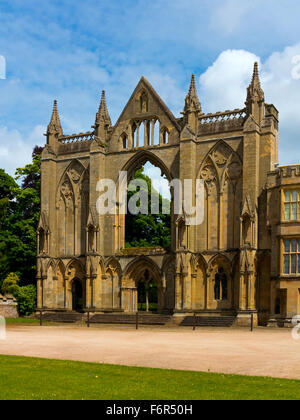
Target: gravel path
261	353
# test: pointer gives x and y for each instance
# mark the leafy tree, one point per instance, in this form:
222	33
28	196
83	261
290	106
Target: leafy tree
31	174
148	230
26	298
8	193
10	284
19	215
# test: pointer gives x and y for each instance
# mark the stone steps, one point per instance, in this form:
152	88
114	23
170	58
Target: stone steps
144	319
66	317
209	321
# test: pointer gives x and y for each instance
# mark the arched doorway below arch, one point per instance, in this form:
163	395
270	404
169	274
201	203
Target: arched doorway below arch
147	293
77	296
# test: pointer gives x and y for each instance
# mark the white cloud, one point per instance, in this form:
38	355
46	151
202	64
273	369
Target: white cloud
16	150
223	86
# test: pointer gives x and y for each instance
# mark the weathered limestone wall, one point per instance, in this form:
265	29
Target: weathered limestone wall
8	307
233	152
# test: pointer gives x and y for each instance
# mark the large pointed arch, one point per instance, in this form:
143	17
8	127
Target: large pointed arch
139	264
143	277
143	156
220	290
137	161
218	258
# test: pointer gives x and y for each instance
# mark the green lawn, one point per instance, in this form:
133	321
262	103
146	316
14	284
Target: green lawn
22	321
31	378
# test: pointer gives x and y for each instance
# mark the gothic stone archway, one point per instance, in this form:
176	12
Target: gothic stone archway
142	287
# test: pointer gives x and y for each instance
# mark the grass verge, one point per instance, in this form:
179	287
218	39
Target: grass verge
23	378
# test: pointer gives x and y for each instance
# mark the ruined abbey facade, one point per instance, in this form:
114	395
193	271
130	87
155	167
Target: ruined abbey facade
243	259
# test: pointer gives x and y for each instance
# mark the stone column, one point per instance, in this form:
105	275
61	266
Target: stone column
38	243
152	132
241	291
187	291
251	291
55	287
89	285
134	302
87	291
220	221
147	299
208	290
39	292
178	292
146	137
115	279
138	135
43	280
193	290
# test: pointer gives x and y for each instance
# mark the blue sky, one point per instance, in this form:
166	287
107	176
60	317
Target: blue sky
71	50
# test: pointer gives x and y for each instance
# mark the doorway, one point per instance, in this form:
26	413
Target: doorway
77	296
147	293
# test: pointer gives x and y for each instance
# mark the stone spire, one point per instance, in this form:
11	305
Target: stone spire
192	108
255	96
102	116
54	126
192	103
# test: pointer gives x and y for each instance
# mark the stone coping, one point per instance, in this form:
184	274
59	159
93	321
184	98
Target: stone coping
7	299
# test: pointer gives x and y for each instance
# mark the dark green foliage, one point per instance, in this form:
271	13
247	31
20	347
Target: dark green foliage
147	230
11	284
26	297
19	215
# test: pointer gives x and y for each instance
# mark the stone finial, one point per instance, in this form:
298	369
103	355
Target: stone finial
192	108
255	96
192	103
255	77
54	126
102	115
255	91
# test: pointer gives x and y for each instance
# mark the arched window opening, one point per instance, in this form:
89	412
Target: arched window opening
156	133
41	241
150	224
147	133
124	141
221	285
166	137
142	134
